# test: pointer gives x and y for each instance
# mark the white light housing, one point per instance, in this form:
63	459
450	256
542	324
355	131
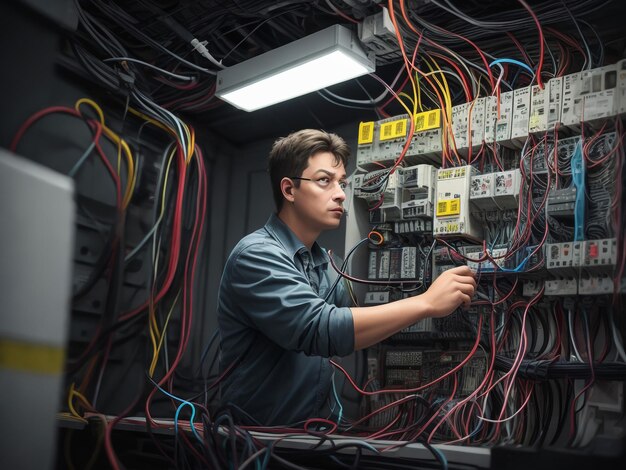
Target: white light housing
330	56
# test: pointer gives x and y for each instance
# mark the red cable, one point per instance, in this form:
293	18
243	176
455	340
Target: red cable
541	42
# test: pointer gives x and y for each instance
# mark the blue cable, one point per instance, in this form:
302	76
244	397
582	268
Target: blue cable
183	403
337	400
515	62
442	457
81	160
578	179
266	460
193	414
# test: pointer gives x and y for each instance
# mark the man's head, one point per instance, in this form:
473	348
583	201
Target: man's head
290	156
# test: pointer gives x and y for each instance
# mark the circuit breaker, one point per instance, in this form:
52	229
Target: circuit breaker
452	214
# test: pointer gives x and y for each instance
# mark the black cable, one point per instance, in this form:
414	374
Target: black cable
343	268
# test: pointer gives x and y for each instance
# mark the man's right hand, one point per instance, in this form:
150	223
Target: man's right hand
451	289
376	323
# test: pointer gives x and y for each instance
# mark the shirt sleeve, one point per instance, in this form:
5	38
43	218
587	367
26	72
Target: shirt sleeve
278	300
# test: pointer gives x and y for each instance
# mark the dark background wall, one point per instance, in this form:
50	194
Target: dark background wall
35	77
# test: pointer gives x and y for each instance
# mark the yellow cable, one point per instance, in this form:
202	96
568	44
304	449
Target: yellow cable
152	121
406	95
167	320
121	144
447	112
418	82
130	183
84	400
155	335
93	105
192	145
153	326
191	137
70	403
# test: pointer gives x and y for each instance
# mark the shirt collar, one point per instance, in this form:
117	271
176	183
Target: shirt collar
283	234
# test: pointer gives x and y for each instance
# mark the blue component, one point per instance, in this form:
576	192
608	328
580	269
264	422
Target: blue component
578	176
515	62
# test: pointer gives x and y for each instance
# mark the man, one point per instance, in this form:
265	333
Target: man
277	330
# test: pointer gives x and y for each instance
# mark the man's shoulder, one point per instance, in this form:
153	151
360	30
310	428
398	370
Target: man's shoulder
259	241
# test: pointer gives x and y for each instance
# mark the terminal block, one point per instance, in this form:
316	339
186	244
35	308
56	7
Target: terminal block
422	226
476	119
482	191
496	261
539	97
562	286
561	203
521	113
600	95
426	144
599	254
399	263
571	109
452	205
498	118
532	287
506	188
563	257
418	191
381	141
600	284
555	93
460	120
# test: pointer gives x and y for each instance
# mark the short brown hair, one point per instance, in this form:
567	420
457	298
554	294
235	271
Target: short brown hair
290	156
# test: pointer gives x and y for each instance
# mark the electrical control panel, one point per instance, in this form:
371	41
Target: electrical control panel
531	204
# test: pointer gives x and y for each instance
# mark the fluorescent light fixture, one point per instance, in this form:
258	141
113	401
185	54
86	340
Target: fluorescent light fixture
330	56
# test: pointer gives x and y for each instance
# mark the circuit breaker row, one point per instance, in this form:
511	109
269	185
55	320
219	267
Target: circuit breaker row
579	268
591	96
443	202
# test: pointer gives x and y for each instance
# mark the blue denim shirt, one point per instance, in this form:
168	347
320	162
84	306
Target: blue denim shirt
274	315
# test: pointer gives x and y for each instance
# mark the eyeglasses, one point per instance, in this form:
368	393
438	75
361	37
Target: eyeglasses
323	182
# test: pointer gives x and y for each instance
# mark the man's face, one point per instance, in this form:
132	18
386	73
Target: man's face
320	201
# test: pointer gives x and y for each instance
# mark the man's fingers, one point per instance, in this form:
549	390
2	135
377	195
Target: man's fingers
462	270
467	289
467	301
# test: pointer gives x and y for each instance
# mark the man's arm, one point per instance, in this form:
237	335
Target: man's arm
451	289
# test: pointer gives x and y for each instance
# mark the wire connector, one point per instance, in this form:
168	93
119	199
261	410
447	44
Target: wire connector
200	46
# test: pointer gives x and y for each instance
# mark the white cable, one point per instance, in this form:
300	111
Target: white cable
166	72
570	322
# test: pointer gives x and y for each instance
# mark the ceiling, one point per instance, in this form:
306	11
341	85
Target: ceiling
159	33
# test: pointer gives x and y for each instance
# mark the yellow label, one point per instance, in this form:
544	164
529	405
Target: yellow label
534	121
366	133
442	207
451	173
449	227
428	120
455	206
453	228
392	129
31	357
448	207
